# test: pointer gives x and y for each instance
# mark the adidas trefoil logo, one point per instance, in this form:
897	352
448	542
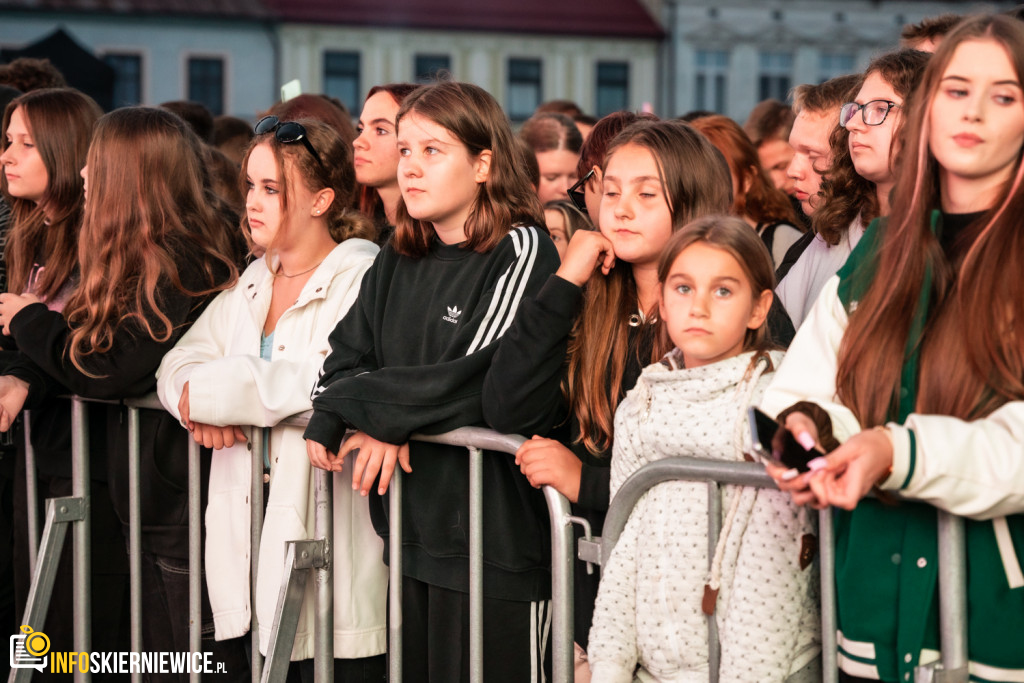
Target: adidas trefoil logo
453	315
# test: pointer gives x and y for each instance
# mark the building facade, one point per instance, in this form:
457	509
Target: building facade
222	53
602	55
728	55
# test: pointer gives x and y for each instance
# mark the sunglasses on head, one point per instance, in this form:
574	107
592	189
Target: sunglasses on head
577	193
286	132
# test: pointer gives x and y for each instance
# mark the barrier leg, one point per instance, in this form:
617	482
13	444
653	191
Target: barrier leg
31	494
134	537
323	575
476	566
82	547
562	668
714	530
286	617
952	605
829	625
395	579
60	512
255	532
195	555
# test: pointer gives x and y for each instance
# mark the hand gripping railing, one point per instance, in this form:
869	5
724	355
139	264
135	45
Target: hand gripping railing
304	554
952	668
475	440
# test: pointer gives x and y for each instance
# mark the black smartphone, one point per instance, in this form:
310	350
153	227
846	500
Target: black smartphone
763	430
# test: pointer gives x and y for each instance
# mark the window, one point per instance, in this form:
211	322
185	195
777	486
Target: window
127	78
206	83
776	75
612	87
524	88
341	78
427	66
709	88
832	64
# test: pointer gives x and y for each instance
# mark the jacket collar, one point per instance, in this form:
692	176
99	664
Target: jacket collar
257	281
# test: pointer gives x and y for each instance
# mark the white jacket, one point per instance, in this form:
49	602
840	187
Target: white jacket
229	384
648	608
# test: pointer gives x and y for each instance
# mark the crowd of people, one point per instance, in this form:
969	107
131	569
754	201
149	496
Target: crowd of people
618	291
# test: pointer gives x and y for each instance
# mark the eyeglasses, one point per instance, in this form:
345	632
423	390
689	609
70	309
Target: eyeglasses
872	113
287	132
577	193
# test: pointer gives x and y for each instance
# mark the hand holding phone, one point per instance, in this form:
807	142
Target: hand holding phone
784	451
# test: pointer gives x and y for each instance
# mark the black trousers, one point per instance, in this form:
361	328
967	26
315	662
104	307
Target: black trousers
435	637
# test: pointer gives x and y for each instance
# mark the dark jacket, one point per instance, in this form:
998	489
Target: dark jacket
411	356
126	370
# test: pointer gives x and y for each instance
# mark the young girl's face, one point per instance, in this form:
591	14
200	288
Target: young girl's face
869	145
438	176
707	305
263	209
976	120
375	153
26	174
634	208
556	226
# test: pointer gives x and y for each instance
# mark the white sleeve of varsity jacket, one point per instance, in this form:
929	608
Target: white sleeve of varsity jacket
808	372
973	469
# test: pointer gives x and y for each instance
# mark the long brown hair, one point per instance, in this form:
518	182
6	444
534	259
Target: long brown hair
336	172
971	353
696	182
762	201
369	200
61	122
506	199
845	194
148	212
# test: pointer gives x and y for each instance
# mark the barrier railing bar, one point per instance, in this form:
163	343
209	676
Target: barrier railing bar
714	531
953	605
473	438
82	581
395	579
691	469
134	537
561	570
323	575
59	512
476	565
829	618
255	531
195	556
562	664
722	472
286	614
31	494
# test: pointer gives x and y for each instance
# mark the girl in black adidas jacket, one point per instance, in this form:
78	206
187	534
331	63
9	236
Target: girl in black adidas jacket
411	356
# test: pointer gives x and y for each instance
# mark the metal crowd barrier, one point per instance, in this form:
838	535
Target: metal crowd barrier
302	555
952	668
315	555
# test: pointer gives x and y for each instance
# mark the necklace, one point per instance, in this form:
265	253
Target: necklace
280	271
